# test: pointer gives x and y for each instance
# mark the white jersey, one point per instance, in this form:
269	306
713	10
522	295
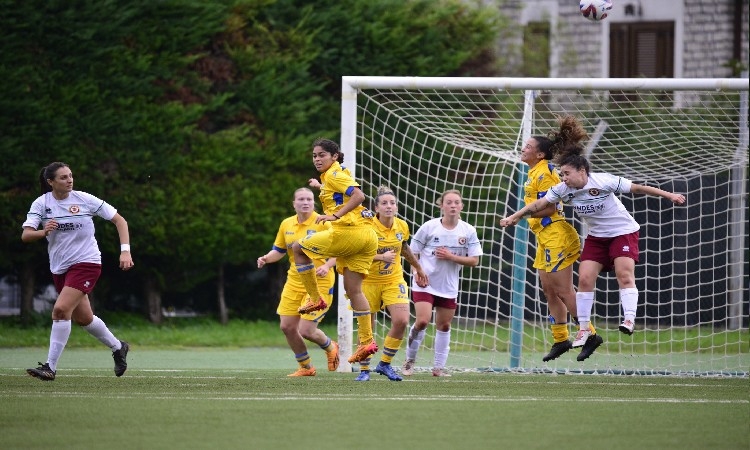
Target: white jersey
597	205
443	274
73	241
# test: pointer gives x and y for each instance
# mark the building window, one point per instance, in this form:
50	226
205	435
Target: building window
642	49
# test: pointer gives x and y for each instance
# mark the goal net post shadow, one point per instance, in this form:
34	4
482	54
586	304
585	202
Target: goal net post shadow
422	136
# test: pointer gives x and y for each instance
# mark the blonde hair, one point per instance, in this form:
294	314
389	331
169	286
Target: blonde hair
449	191
383	190
294	196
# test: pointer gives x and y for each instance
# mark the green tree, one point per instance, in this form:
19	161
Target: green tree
195	118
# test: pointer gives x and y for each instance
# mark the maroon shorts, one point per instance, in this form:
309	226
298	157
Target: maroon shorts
434	300
81	276
605	250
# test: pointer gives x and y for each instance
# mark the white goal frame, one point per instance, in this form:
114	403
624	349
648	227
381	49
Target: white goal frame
737	278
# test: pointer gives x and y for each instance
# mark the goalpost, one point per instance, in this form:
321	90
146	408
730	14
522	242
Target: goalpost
423	136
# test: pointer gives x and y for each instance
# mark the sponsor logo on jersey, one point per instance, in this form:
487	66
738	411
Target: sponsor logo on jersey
70	226
367	214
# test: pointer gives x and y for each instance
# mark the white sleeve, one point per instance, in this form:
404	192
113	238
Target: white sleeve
418	240
35	215
554	194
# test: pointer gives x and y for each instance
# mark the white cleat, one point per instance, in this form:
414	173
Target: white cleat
407	369
581	338
627	327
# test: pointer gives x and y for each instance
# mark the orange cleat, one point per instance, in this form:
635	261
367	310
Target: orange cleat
363	351
312	306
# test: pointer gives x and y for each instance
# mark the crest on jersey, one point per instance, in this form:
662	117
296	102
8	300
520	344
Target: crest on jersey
400	236
75	209
462	241
594	191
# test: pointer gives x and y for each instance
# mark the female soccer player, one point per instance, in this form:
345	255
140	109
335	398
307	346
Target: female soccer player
66	219
294	325
385	287
443	246
612	240
558	244
351	240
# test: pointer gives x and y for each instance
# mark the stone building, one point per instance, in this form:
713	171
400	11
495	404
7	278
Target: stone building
639	38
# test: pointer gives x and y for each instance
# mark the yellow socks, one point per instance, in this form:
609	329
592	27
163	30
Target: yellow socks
559	332
364	326
390	347
307	274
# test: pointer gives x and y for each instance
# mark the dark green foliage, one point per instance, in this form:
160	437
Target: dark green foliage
194	118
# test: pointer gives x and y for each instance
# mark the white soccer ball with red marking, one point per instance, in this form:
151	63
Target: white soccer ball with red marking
595	10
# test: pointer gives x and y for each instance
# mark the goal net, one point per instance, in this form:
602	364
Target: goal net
423	136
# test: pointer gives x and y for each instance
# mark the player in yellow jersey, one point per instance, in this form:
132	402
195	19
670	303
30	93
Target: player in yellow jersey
295	326
351	240
385	287
558	244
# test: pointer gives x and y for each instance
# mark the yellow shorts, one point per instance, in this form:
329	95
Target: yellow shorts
382	295
558	247
292	299
353	247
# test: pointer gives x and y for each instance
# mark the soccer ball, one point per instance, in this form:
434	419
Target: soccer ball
595	10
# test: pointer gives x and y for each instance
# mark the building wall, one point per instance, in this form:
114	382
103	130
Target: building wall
704	35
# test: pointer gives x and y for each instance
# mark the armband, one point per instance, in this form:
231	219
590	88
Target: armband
124	247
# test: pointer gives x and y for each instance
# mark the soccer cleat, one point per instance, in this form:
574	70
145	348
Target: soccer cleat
440	372
581	338
333	357
627	327
312	306
120	357
363	351
592	343
386	369
363	376
558	348
303	372
43	372
407	369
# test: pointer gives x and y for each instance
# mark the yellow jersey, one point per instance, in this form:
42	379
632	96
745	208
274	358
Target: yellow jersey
541	177
291	231
337	185
389	239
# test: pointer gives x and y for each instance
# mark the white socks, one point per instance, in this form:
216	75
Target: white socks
58	338
99	330
415	340
442	348
629	302
584	304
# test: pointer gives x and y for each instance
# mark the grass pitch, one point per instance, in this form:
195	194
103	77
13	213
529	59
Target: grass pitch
241	398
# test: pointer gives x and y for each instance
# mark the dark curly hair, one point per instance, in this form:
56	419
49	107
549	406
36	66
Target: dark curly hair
330	147
570	132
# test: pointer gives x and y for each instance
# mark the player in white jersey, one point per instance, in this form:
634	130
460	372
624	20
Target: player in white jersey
66	220
443	246
612	240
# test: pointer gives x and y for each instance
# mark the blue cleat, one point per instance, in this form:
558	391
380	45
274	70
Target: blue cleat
386	369
363	376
